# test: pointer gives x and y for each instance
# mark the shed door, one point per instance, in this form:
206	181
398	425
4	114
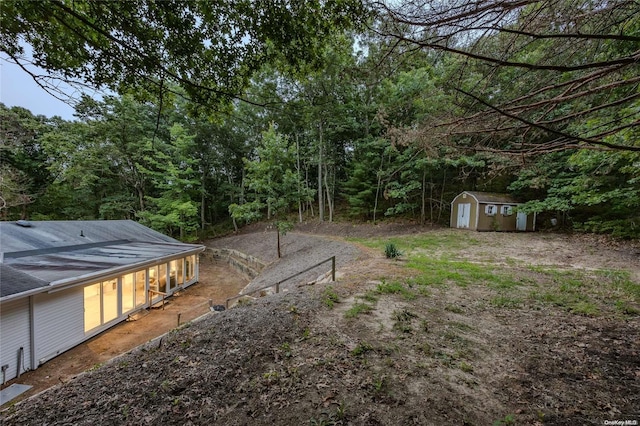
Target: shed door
464	211
521	221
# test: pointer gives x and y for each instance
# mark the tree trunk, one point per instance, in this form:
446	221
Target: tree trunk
320	159
329	199
299	180
423	210
278	233
202	202
140	197
375	203
444	182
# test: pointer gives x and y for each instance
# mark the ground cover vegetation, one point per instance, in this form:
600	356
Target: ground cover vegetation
379	109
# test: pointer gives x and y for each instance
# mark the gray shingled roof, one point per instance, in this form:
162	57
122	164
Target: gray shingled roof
492	197
13	281
47	253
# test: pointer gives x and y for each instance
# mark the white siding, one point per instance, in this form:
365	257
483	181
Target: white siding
58	322
15	334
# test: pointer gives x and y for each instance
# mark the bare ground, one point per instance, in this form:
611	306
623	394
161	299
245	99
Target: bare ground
447	354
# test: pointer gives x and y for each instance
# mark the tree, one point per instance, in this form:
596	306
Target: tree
209	49
532	75
273	182
177	182
23	173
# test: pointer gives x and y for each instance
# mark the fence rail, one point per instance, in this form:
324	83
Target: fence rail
332	259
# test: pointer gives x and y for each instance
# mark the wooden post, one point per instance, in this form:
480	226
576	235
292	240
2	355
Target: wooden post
333	268
179	314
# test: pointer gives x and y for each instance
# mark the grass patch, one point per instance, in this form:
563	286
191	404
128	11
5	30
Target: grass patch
330	297
506	302
395	287
430	242
590	293
357	309
442	272
434	258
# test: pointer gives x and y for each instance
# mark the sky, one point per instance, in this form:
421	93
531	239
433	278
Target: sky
17	88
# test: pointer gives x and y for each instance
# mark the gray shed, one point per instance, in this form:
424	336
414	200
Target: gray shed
487	211
63	282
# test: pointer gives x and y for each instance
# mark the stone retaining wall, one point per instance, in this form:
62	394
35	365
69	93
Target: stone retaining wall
241	262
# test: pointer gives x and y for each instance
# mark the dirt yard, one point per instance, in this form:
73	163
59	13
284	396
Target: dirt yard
497	329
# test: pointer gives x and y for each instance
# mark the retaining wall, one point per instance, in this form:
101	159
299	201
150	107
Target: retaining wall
241	262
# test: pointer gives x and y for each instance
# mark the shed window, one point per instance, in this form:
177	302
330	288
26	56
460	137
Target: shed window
490	210
507	210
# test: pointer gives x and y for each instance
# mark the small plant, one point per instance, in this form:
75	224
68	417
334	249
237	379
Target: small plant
286	348
330	297
391	251
369	296
326	419
95	367
467	368
271	376
361	349
306	334
507	420
426	349
403	320
454	308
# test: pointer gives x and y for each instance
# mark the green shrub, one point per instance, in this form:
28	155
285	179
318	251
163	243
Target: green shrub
391	251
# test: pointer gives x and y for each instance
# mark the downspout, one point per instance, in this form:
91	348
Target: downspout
20	360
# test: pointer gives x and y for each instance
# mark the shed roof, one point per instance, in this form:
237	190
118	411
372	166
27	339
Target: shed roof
492	197
50	253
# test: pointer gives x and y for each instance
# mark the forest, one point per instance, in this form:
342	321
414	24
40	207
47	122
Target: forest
212	116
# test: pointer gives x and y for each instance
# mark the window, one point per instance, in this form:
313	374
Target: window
490	210
191	267
127	293
100	303
162	277
109	300
141	293
180	271
92	310
507	210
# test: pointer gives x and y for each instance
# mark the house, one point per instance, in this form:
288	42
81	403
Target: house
486	211
63	282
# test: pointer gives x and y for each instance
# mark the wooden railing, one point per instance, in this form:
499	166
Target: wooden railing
332	259
152	292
